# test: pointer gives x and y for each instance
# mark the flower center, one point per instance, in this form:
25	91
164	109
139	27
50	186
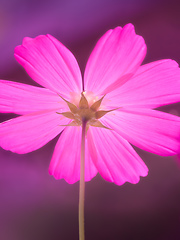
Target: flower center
85	113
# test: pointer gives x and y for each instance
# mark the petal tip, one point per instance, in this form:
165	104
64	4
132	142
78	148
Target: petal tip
129	25
26	40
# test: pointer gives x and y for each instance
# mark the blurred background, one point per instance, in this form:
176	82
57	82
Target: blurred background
35	206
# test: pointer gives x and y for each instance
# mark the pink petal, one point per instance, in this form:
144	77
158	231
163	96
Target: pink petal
30	132
115	58
23	99
153	85
150	130
115	159
50	64
65	162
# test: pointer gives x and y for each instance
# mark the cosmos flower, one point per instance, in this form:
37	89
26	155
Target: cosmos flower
117	97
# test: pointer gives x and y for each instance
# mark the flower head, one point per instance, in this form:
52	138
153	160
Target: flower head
116	98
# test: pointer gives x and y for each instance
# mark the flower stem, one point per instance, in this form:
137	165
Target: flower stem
82	184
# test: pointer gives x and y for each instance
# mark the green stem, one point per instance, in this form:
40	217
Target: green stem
82	184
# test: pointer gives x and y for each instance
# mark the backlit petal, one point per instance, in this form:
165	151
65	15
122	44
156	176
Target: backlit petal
50	64
153	85
23	99
115	58
65	162
150	130
30	132
114	157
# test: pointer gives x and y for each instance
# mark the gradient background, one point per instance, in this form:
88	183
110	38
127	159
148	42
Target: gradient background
35	206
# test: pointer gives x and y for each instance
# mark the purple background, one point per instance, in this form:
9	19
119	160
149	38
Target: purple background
35	206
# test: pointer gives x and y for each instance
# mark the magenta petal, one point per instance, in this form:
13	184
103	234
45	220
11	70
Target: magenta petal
30	132
153	85
115	58
50	64
65	162
115	159
23	99
150	130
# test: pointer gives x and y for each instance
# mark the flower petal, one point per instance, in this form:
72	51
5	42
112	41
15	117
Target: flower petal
30	132
23	99
115	58
65	162
150	130
153	85
50	64
114	157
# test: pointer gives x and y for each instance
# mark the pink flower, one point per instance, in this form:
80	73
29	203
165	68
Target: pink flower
117	97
